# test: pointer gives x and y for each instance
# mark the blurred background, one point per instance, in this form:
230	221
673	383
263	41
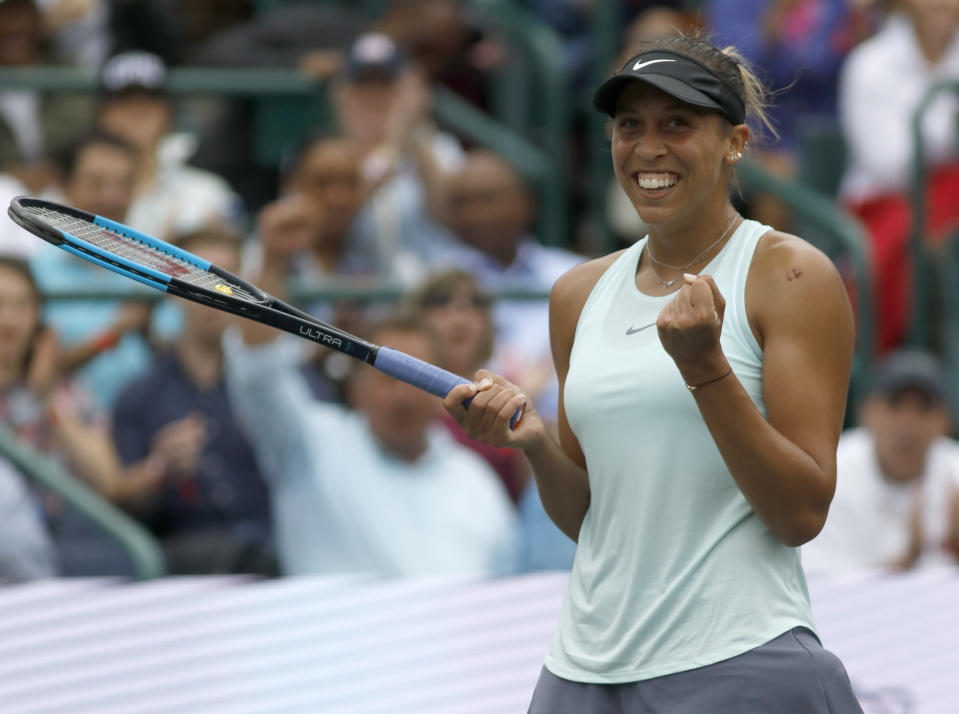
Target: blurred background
419	172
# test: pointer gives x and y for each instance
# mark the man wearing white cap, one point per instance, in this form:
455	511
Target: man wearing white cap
171	197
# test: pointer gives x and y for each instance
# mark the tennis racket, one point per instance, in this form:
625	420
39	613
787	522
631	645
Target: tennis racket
165	267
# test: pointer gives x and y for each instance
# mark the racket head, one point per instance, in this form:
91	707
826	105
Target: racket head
130	253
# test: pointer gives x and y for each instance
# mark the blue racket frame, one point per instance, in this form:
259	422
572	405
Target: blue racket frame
264	308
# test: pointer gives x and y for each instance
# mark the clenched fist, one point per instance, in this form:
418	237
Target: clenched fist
689	328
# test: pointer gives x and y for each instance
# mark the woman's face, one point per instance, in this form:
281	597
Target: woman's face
461	320
669	156
19	315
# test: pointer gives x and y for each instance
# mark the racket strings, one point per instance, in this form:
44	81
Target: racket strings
136	251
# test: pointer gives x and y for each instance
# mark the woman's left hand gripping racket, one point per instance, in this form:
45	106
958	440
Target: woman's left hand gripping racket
165	267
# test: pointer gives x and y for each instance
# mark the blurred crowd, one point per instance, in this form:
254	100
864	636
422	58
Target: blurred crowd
243	451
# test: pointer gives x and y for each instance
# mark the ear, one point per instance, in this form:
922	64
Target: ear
736	142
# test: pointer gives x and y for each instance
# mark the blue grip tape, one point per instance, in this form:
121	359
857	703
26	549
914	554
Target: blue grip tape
426	376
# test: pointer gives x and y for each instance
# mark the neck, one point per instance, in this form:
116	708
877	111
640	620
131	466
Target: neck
896	477
201	359
408	451
933	47
506	254
679	243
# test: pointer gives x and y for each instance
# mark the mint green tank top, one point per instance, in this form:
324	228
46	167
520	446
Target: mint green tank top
673	570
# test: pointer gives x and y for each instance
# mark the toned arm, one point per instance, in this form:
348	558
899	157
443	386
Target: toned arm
785	463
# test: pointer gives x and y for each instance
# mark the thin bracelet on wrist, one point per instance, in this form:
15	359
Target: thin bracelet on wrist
694	387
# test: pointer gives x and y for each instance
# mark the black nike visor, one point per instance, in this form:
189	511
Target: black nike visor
679	76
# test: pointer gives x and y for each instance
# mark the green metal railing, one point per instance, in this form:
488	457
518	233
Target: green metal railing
140	546
301	292
922	295
605	39
543	167
948	269
531	97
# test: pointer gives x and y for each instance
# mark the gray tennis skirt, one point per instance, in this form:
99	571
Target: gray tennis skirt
792	674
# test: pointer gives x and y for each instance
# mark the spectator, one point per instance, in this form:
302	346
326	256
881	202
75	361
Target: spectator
313	224
51	414
882	85
33	127
897	476
312	37
192	477
456	309
171	197
542	546
383	104
491	210
326	172
84	33
26	552
451	48
799	47
104	338
383	489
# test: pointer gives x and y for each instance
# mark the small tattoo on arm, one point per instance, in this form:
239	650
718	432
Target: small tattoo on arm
793	274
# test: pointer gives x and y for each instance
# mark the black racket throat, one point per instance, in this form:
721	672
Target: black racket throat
276	313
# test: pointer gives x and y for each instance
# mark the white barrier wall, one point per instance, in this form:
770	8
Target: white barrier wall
429	646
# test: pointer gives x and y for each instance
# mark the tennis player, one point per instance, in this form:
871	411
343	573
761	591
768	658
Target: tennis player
704	374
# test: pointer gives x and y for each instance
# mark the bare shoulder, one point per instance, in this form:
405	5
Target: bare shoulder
575	285
788	266
790	277
777	250
566	301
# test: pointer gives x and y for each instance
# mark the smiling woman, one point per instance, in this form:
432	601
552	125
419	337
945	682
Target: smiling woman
691	463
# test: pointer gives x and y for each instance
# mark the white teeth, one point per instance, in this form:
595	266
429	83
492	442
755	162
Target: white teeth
655	182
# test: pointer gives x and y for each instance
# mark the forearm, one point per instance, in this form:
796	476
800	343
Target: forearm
783	484
139	486
73	357
563	485
435	178
91	454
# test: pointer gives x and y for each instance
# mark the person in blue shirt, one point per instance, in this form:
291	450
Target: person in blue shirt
104	341
491	209
191	475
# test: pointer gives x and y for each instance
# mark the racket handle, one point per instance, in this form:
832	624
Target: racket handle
426	376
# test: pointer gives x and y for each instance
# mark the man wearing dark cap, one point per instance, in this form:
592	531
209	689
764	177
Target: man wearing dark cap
171	197
897	475
382	104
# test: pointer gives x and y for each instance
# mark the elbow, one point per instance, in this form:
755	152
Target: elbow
800	533
803	527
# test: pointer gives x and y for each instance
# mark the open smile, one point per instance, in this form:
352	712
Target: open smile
655	184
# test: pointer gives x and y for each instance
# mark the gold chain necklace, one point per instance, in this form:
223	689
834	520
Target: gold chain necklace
669	283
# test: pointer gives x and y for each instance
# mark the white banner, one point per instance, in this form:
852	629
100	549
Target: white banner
364	646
